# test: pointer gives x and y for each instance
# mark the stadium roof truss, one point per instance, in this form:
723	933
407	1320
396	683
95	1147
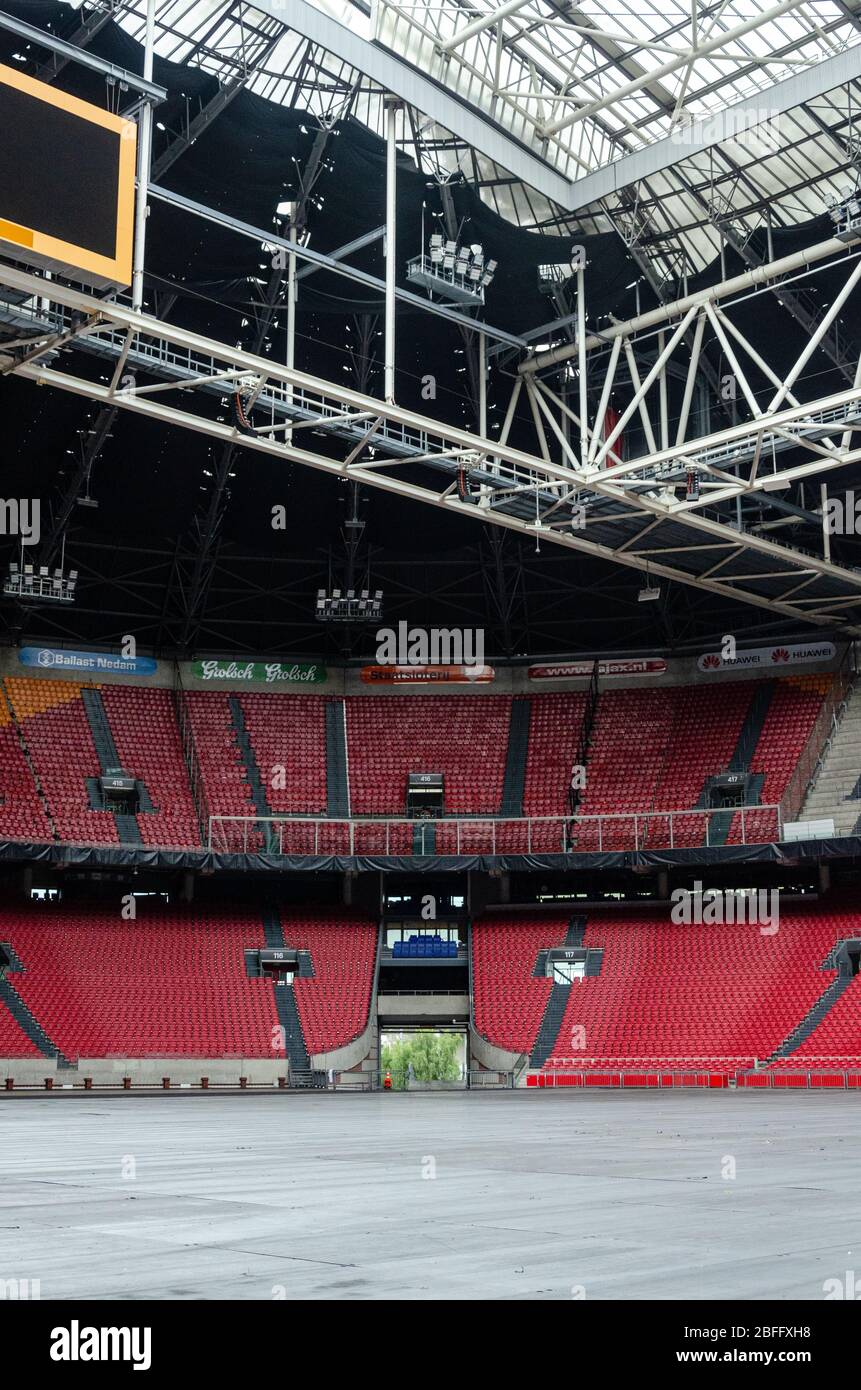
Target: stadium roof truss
592	500
661	132
564	115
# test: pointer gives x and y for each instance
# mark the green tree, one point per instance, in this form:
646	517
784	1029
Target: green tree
433	1056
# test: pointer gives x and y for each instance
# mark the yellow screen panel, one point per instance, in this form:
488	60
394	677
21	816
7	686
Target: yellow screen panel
67	182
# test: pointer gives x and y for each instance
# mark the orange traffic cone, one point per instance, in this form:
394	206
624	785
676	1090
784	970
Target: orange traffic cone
387	1084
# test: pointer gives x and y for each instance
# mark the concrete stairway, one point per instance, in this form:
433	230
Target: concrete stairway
287	1009
252	774
106	750
11	999
551	1022
515	762
830	796
337	787
721	822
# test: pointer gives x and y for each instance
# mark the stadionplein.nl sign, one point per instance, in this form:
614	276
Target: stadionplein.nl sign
265	672
789	654
427	675
94	663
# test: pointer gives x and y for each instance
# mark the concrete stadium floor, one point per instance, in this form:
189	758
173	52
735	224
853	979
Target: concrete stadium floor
534	1195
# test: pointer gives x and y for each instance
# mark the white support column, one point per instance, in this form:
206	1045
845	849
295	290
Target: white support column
144	161
826	537
821	329
662	383
653	318
847	437
753	403
292	290
609	378
640	393
634	374
691	381
509	414
482	386
392	108
539	427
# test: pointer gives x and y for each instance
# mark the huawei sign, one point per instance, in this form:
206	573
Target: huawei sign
795	654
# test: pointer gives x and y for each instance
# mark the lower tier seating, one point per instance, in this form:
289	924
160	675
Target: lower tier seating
509	1002
13	1040
335	1005
680	996
173	983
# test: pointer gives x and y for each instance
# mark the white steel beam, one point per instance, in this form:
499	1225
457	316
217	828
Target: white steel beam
450	501
497	463
399	77
757	275
720	40
695	137
486	21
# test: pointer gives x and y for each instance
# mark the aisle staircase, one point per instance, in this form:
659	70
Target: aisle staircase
836	793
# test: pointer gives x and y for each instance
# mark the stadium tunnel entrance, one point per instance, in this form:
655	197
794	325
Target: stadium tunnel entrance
432	1058
423	997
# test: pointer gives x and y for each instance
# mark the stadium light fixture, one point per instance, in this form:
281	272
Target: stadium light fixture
351	607
452	271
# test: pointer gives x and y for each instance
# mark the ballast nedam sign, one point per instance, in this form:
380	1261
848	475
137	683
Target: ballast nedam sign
791	654
267	672
99	663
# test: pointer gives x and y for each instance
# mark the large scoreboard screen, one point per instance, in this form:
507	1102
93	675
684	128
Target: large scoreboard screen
67	179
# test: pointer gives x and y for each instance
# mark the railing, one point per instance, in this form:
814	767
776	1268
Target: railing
709	1077
466	1080
303	835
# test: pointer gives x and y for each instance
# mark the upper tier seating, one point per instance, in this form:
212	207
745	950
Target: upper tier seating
555	723
788	725
651	751
54	723
225	787
146	734
22	815
288	736
464	737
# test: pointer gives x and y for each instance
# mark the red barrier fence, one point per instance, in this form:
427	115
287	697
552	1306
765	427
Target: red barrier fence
709	1080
